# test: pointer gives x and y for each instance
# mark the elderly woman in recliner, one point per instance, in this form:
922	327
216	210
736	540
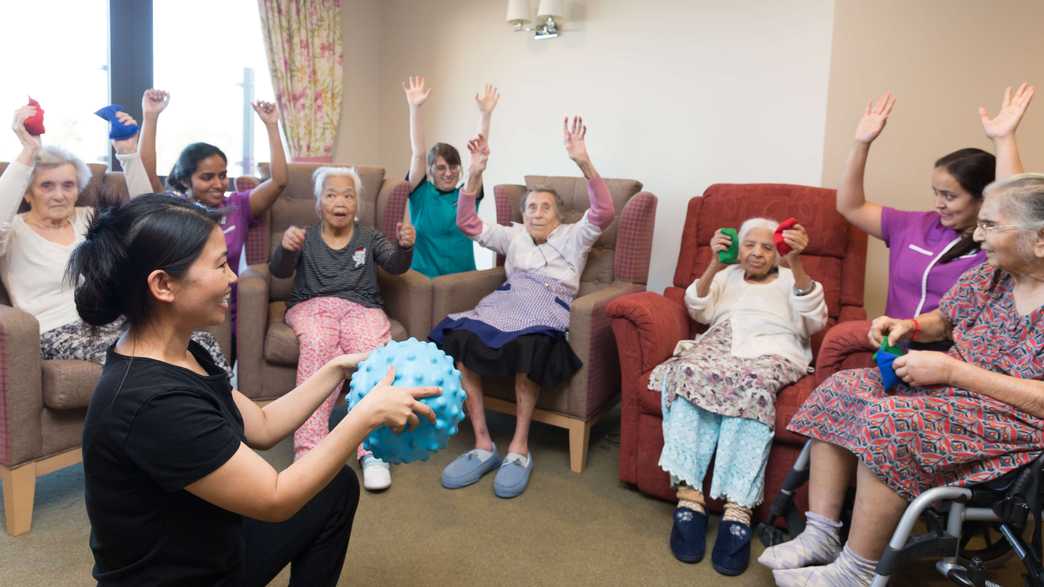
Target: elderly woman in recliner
335	306
718	392
35	246
519	330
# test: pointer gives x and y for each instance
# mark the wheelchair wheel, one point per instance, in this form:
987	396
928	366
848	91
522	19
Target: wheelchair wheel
982	541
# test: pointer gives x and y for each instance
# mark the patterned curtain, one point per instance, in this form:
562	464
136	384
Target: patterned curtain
303	40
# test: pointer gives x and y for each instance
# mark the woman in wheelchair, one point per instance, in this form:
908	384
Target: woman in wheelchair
959	418
720	390
35	246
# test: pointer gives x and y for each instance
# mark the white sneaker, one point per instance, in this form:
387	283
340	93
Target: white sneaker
376	473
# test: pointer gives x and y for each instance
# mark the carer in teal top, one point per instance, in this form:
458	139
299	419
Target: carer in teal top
434	179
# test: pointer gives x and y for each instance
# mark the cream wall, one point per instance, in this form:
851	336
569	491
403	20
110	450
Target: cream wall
942	59
677	93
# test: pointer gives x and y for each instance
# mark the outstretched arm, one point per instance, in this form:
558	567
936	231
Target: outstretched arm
851	198
574	136
153	102
467	216
1001	128
134	173
264	195
486	102
416	95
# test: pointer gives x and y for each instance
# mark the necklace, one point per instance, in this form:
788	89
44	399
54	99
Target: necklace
41	226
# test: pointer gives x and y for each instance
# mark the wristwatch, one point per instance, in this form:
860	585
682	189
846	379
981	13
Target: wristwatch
804	292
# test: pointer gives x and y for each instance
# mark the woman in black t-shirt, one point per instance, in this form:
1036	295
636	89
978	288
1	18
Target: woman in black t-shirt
175	492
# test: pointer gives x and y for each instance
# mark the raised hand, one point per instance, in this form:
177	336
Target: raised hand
416	92
1012	109
129	144
719	242
397	407
154	101
478	148
874	118
27	140
573	136
406	234
797	239
293	238
266	111
487	101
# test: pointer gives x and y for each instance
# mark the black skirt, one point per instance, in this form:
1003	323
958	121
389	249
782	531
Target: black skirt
547	360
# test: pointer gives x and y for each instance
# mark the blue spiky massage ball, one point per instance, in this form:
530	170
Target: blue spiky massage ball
417	364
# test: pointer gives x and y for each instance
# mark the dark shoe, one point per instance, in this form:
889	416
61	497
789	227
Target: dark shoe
689	535
731	553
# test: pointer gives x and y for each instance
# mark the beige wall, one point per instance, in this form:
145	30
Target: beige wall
942	59
358	136
677	93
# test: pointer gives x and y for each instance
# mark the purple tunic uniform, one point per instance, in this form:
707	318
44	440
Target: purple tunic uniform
916	279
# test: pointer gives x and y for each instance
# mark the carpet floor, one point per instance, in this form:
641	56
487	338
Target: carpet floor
567	529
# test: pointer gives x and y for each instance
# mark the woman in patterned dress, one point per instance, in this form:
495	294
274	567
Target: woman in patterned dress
519	330
959	418
719	391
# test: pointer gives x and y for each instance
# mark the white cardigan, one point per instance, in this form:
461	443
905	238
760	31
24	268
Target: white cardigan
32	268
767	319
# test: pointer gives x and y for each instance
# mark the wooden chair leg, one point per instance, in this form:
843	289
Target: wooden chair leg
579	440
19	493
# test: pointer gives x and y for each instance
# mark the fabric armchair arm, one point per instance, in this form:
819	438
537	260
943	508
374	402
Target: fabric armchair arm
845	346
591	336
252	324
651	325
462	291
407	298
21	391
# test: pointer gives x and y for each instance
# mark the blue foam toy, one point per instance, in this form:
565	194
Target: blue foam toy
117	130
884	357
417	364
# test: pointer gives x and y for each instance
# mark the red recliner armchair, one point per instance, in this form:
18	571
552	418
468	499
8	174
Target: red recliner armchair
647	325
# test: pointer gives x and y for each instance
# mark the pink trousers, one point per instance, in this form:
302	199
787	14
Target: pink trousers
327	327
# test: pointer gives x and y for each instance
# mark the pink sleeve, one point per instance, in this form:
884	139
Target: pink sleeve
467	219
602	209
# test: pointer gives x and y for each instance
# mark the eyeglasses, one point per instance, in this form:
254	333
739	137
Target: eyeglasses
989	227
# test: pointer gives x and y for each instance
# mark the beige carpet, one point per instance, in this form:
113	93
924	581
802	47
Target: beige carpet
567	529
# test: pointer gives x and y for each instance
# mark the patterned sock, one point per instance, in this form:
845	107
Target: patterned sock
819	544
849	570
691	498
736	513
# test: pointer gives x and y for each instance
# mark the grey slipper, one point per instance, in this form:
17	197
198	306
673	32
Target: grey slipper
513	476
468	468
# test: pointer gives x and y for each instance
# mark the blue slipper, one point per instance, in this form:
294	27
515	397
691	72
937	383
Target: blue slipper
689	535
513	476
468	468
731	553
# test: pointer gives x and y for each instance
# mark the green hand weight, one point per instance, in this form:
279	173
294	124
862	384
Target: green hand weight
731	255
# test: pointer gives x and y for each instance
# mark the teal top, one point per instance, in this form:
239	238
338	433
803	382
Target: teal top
441	248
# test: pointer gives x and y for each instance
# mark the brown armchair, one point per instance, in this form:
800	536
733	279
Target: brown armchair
267	347
618	264
43	403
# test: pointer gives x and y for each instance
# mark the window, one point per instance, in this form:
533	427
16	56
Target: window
211	57
70	84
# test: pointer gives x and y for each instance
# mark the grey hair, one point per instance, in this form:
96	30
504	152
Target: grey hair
320	175
1023	199
752	223
50	156
559	204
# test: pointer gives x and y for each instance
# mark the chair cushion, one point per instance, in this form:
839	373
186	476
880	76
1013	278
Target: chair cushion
68	385
281	343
